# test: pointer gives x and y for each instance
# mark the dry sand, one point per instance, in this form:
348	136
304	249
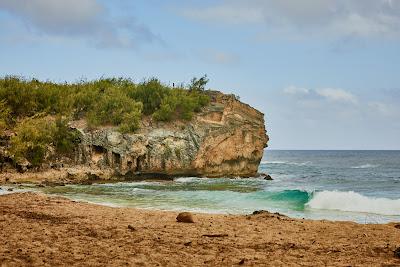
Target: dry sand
38	230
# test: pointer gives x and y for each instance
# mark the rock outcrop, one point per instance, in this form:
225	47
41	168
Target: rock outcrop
226	138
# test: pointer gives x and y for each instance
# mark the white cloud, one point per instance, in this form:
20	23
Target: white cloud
55	16
313	95
338	95
329	18
220	57
86	19
226	13
293	90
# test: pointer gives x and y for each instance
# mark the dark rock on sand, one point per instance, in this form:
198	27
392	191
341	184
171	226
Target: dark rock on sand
260	212
269	214
397	253
185	217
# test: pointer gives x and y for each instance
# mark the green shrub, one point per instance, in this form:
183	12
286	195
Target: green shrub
34	136
151	94
115	108
19	95
4	115
64	139
180	104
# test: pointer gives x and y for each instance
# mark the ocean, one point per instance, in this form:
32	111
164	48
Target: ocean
360	186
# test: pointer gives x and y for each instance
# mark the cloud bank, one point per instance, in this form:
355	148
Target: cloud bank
85	19
305	18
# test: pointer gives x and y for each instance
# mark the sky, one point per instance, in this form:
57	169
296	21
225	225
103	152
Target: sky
326	73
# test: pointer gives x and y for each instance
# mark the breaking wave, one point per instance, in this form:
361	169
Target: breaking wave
365	166
353	202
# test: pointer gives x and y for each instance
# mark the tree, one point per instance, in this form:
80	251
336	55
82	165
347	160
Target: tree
198	84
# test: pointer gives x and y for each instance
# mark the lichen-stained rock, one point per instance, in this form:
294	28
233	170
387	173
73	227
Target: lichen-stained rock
226	138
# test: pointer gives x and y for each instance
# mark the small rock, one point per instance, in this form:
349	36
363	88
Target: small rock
397	253
241	262
188	243
185	217
130	227
268	177
397	226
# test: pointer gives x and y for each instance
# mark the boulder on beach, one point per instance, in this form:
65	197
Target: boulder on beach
185	217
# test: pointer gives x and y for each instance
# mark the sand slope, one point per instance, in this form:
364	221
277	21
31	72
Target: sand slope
37	230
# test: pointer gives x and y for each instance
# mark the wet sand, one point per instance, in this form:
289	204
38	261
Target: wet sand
38	230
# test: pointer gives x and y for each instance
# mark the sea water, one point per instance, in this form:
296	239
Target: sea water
361	186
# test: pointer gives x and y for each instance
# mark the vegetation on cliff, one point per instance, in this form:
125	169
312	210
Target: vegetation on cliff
38	112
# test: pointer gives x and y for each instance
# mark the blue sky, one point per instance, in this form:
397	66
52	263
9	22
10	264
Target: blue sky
326	73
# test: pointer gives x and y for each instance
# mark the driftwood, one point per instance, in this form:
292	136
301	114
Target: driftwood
215	235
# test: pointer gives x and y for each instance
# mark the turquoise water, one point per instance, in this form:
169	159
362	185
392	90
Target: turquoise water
361	186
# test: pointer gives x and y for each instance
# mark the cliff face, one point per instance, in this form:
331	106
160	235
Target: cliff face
226	139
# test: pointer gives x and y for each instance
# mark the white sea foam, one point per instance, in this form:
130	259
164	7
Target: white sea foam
186	179
354	202
365	166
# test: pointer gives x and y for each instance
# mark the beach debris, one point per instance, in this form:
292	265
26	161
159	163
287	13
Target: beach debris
10	189
215	235
188	243
185	217
130	227
397	252
397	226
241	262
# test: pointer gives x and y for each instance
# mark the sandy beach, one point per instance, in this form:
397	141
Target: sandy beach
38	230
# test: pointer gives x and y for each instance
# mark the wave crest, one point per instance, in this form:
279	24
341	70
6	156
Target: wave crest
365	166
354	202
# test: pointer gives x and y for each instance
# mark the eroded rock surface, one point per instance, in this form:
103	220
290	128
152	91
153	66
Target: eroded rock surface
226	139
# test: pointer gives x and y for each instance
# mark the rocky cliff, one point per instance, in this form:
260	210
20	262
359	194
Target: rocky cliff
226	138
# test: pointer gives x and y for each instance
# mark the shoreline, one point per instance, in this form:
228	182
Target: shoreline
38	229
86	175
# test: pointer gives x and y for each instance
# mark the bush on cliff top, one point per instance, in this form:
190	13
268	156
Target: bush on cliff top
95	99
